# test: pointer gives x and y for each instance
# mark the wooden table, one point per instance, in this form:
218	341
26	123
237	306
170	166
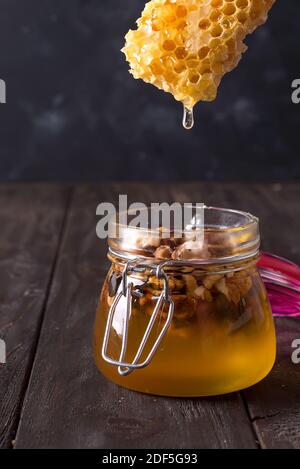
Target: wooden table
52	268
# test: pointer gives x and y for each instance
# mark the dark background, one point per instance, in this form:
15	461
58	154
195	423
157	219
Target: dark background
74	113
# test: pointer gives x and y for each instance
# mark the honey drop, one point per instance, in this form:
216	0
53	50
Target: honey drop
188	118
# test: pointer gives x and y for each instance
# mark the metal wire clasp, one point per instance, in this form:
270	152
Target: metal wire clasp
126	290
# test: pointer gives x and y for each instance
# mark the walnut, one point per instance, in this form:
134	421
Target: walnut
176	283
171	242
221	286
210	280
157	284
148	242
204	294
244	283
233	292
236	286
208	296
163	252
200	292
191	284
190	250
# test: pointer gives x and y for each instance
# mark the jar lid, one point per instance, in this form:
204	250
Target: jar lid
202	235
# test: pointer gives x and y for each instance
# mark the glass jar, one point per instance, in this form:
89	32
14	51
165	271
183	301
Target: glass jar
179	317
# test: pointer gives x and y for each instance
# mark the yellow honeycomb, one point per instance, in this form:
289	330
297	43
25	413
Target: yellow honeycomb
185	47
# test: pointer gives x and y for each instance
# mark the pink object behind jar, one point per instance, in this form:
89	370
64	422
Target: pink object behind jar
282	280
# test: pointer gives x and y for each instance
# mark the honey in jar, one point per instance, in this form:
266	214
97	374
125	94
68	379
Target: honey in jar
181	318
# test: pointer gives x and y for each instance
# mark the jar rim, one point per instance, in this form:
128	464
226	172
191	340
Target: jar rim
217	235
249	219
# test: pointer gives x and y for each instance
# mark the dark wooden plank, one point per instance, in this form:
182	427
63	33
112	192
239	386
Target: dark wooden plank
31	218
68	403
274	403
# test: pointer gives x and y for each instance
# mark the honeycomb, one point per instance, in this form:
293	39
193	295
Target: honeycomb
185	47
